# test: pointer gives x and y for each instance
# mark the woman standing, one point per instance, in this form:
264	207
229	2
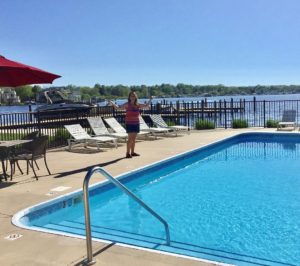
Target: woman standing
132	121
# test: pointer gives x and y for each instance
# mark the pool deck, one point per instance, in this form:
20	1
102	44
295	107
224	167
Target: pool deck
68	170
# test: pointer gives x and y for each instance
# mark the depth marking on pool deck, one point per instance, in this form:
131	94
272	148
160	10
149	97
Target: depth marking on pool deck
13	237
54	191
59	189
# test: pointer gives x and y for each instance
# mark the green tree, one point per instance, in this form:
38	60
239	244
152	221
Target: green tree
167	89
24	92
35	90
101	90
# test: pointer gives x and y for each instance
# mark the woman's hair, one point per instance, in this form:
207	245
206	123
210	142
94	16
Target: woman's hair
136	98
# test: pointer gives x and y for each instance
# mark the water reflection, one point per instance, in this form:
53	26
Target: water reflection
289	146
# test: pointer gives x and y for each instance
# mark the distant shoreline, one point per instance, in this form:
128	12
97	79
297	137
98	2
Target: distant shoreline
258	97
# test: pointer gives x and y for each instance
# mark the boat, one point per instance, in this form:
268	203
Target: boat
30	102
53	103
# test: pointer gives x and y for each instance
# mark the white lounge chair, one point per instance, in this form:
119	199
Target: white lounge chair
118	128
79	135
160	123
153	130
99	129
288	121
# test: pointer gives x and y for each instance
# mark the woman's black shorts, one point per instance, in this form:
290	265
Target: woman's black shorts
133	128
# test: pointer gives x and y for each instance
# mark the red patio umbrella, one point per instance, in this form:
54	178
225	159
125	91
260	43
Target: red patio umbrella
14	74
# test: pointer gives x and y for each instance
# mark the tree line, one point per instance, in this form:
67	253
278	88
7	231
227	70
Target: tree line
101	92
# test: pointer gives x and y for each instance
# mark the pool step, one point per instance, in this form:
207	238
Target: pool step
214	254
119	236
113	235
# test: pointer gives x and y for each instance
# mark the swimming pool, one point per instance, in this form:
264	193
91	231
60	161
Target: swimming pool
234	201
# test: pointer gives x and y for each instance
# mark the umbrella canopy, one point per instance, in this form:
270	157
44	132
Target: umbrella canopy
14	74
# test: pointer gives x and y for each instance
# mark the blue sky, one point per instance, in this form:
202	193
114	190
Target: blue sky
134	42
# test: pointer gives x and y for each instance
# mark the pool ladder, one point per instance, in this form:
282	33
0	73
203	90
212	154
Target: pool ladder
89	260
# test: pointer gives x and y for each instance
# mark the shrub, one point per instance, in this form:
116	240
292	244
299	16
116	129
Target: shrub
170	123
239	123
272	123
204	124
8	136
61	134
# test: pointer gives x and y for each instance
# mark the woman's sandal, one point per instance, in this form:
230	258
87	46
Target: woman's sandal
128	155
134	154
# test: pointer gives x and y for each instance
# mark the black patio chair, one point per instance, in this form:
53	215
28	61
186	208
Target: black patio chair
35	149
31	135
24	148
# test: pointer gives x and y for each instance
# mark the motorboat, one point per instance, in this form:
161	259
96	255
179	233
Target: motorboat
53	103
55	107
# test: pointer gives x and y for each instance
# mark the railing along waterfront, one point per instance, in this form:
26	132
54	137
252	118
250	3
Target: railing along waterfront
222	113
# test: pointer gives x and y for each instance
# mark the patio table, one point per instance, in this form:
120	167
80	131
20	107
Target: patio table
7	147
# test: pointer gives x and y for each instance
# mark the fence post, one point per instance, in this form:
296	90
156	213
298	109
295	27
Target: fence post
185	111
231	108
215	112
225	113
178	110
264	105
188	116
202	109
197	110
158	108
297	114
241	106
30	113
39	122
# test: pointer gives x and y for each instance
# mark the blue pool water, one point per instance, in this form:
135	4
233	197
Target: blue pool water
236	201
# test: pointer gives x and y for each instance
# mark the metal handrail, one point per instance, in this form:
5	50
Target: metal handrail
117	183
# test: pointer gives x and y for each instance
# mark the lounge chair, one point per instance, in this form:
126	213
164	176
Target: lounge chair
118	128
99	129
288	121
79	135
160	123
153	130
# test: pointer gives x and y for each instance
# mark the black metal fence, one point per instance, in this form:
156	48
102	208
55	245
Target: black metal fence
222	113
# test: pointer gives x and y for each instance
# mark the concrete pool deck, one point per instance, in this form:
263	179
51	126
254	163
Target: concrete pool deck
68	171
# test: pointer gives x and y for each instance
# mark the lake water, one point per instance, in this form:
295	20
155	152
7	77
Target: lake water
227	98
25	108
